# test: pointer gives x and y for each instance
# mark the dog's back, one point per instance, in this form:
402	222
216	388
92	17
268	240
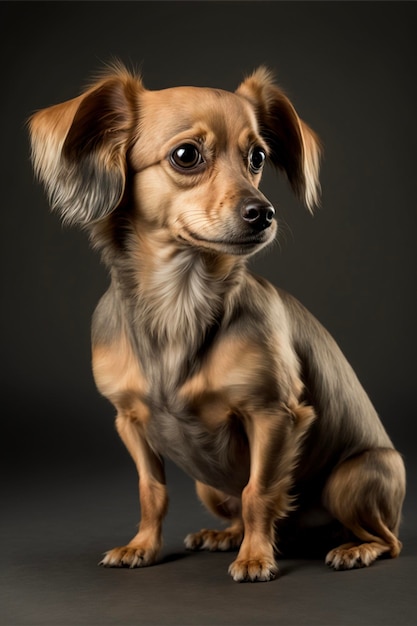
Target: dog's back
348	421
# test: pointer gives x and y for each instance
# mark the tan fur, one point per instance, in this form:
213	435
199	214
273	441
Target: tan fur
117	373
228	508
204	362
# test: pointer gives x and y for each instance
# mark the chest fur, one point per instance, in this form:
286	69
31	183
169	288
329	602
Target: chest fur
191	397
191	410
196	411
215	453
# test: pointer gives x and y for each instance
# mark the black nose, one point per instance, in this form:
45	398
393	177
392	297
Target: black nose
258	214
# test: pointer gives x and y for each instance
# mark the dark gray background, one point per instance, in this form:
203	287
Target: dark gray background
69	486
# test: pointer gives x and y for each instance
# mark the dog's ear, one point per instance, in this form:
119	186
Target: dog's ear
295	148
79	148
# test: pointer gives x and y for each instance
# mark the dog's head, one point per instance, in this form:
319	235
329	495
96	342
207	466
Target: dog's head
188	160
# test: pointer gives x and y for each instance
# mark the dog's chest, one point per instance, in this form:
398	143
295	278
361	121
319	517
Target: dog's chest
202	436
216	456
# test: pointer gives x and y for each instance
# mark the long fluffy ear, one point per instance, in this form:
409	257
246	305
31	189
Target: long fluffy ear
295	148
79	148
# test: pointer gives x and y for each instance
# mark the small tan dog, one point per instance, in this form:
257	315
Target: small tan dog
206	363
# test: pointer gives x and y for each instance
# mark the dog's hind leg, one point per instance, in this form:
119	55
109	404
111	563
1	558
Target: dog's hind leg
365	494
226	507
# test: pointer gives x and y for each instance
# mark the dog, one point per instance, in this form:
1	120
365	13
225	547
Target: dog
206	363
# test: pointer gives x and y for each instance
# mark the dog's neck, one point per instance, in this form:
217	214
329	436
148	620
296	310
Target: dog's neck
179	291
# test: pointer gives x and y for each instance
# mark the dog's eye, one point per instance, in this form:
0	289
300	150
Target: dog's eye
186	157
256	160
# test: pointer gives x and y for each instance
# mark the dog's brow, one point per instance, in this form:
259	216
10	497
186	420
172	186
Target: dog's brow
138	170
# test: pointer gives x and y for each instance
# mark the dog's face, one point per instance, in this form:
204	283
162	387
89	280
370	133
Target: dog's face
198	164
188	159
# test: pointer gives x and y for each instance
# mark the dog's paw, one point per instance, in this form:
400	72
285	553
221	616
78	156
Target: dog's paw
214	540
253	570
128	556
354	555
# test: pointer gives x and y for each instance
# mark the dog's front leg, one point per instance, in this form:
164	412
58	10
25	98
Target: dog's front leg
274	438
143	549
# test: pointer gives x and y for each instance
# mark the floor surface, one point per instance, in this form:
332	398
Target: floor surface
55	528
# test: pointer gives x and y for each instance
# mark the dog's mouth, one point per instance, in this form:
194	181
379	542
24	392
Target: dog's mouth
238	245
